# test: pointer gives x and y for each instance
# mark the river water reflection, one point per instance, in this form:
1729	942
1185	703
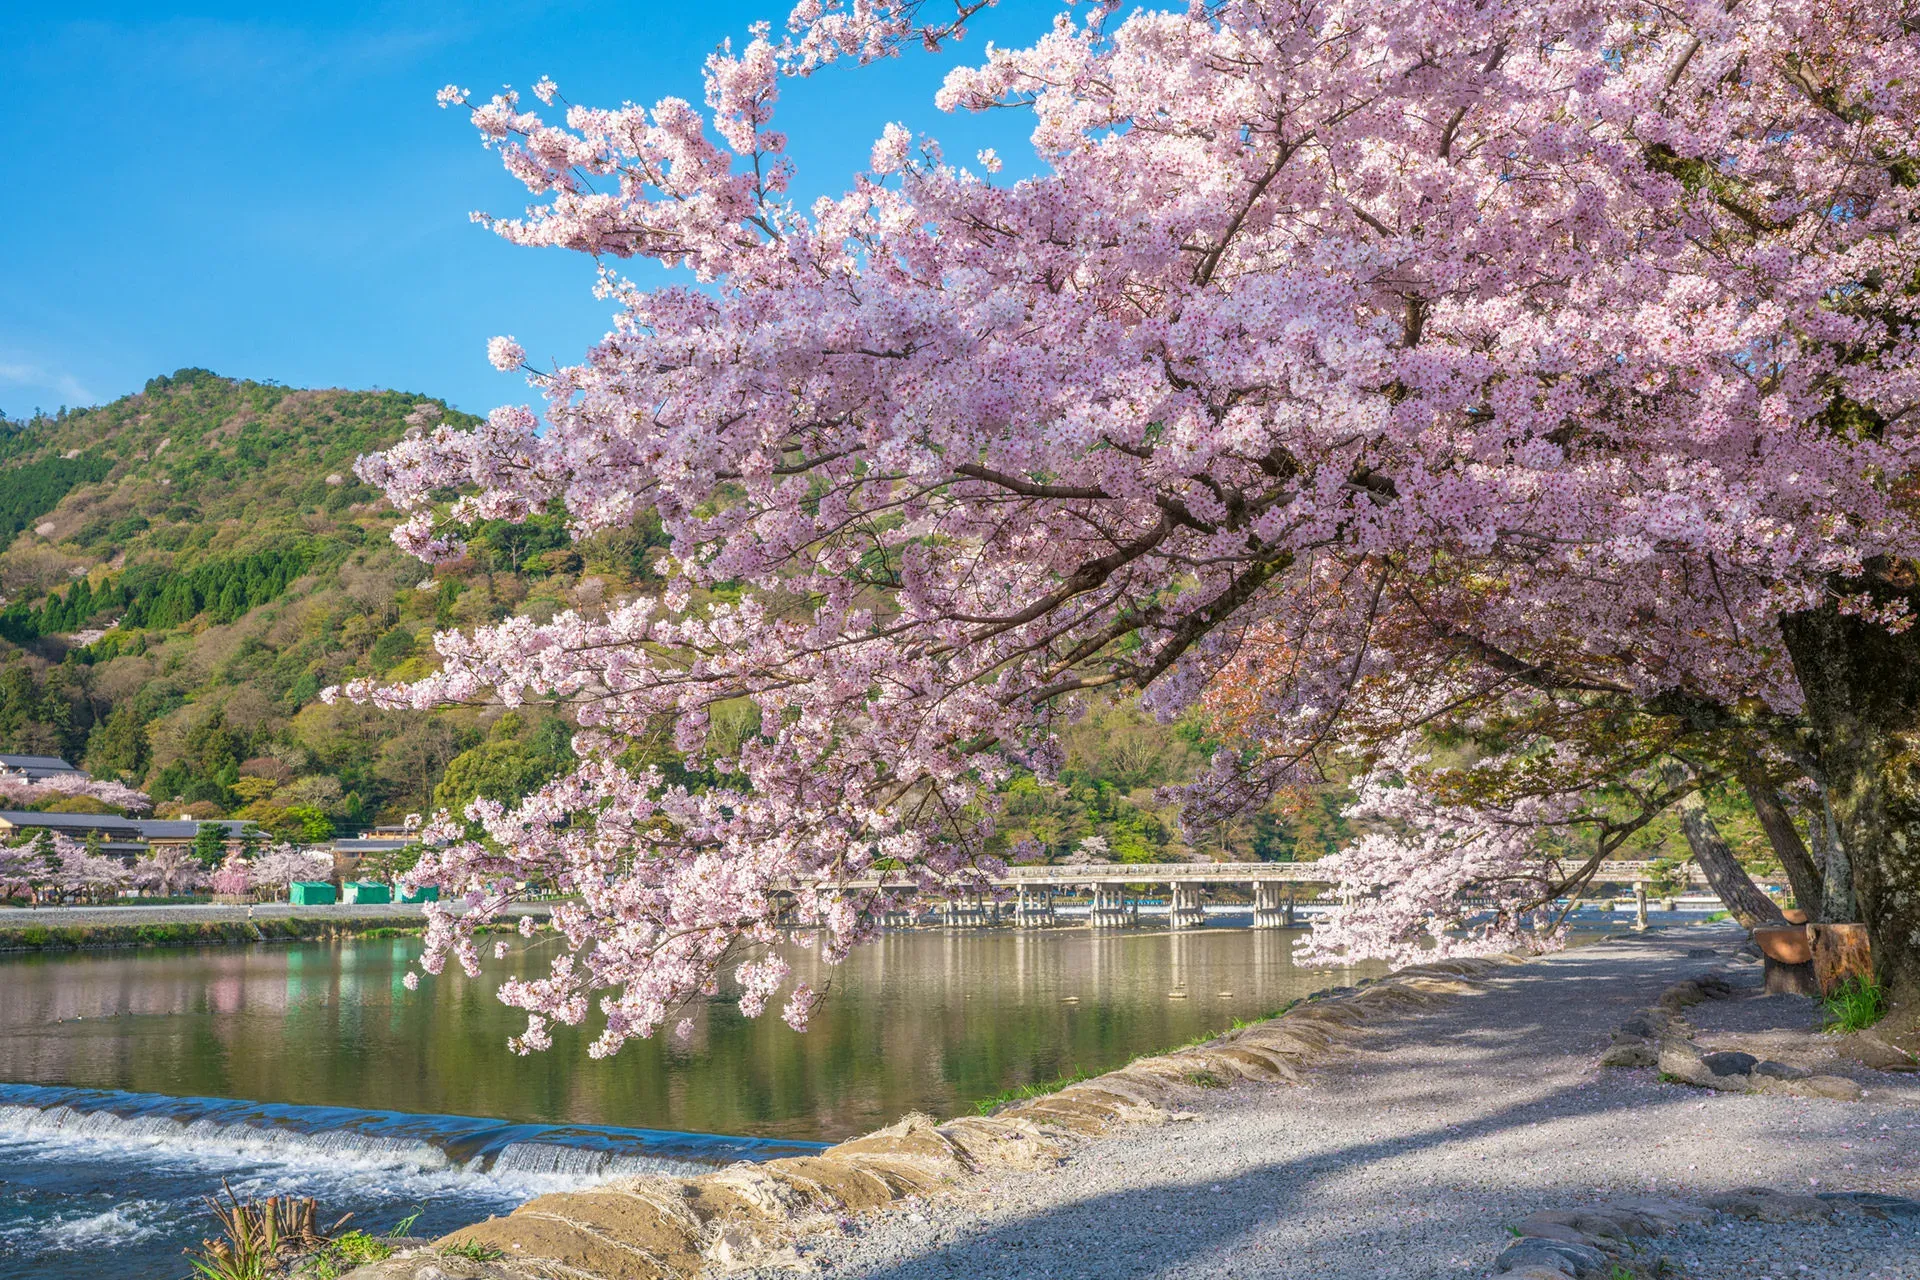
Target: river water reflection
925	1020
119	1073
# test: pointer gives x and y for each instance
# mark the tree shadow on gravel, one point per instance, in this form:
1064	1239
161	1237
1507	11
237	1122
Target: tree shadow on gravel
1170	1228
1401	1225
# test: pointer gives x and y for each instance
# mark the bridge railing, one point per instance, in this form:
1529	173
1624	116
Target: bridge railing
1110	873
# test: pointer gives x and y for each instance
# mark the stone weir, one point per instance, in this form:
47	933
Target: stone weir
748	1215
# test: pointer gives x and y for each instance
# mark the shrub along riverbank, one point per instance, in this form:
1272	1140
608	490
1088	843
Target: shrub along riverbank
77	937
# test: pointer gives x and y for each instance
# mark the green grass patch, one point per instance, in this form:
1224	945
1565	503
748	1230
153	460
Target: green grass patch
40	937
1855	1005
1021	1092
472	1251
343	1254
1238	1024
355	1249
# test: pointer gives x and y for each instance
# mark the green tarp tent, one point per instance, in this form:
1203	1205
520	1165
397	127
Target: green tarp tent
310	893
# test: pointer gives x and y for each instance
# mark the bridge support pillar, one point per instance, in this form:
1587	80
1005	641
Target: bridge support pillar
1033	907
1270	910
1185	911
968	912
1110	907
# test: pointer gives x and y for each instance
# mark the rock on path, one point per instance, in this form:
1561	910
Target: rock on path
1410	1158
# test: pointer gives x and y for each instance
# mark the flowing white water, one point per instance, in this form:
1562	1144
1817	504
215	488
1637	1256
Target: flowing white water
88	1173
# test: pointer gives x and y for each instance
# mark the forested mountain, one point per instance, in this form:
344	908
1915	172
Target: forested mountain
185	569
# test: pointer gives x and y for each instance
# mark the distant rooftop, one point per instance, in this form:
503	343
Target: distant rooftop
36	767
126	828
82	822
187	828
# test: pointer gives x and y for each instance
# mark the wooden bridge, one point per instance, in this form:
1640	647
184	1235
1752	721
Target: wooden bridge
1273	886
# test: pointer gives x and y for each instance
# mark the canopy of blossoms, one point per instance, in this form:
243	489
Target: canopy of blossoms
54	866
169	871
280	865
17	789
1563	332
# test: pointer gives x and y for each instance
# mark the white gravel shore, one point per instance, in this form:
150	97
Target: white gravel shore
1409	1159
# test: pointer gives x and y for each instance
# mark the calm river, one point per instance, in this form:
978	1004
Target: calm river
135	1080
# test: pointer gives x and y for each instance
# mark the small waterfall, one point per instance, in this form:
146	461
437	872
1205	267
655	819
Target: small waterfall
282	1133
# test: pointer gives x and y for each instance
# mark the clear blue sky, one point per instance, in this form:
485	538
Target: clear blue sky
270	192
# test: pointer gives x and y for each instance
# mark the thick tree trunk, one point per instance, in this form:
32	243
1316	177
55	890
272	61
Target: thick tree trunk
1802	874
1862	685
1742	897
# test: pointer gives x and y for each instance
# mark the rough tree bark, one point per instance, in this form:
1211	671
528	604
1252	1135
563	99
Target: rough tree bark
1837	905
1862	685
1802	873
1742	897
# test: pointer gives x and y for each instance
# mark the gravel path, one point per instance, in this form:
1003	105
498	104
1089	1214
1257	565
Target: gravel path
1405	1161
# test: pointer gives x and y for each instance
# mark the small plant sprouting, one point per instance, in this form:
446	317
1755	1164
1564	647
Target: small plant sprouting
472	1251
1855	1004
254	1235
344	1253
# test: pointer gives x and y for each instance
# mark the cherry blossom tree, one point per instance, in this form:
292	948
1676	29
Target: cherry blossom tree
1092	849
1572	336
59	867
280	865
19	868
234	876
169	871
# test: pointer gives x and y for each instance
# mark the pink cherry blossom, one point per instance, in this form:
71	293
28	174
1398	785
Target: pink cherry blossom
505	354
18	789
233	876
169	871
1552	334
280	865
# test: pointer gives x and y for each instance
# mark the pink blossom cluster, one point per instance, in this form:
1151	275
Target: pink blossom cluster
169	871
280	865
59	868
232	876
1536	329
1429	881
18	789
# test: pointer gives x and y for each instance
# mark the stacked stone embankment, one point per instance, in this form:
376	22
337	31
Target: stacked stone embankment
748	1216
1449	1122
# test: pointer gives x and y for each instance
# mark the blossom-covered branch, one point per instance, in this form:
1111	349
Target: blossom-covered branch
1563	332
